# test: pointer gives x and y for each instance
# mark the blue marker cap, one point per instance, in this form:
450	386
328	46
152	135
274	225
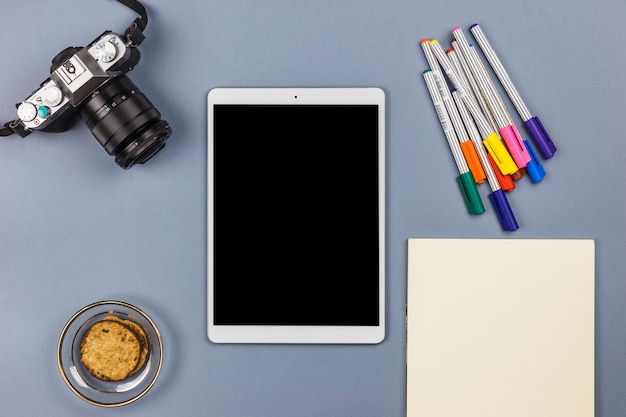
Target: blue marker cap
503	210
540	137
534	168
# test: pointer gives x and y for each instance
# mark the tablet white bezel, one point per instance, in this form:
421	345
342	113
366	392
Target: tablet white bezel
297	334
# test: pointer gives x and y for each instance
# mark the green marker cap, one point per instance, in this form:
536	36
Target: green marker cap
470	193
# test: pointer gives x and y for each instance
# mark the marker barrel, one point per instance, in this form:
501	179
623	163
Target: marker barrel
500	71
538	133
444	120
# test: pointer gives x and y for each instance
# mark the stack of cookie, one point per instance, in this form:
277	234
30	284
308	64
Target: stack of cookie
113	349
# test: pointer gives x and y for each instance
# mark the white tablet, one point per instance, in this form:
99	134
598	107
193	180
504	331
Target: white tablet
296	215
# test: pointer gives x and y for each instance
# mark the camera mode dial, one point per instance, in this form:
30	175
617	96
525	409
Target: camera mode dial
51	95
105	51
26	111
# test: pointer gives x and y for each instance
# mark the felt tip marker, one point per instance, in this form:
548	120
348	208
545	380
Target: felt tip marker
465	180
540	136
510	135
467	146
491	140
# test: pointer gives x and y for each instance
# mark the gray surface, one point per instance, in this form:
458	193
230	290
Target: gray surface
75	228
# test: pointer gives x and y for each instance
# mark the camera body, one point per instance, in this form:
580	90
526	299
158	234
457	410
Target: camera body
75	74
91	81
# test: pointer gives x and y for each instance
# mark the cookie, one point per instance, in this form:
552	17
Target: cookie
141	336
113	349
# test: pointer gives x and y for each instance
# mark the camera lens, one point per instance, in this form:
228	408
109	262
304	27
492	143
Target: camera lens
125	122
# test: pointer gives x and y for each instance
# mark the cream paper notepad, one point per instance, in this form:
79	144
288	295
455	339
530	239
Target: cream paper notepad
500	328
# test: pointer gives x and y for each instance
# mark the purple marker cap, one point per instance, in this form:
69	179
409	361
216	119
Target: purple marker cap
540	137
503	210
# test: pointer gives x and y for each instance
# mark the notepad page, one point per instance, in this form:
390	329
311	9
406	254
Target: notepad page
500	328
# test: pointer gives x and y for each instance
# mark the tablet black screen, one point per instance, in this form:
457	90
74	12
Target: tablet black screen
296	219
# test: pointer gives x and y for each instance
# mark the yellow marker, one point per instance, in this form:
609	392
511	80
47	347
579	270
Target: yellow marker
500	154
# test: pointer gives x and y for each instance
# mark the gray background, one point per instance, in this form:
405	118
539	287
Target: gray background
75	228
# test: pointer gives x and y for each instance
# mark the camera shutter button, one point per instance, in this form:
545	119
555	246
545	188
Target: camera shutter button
43	112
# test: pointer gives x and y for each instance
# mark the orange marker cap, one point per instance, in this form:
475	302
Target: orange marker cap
473	162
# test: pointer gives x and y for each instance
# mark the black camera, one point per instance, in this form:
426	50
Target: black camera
91	81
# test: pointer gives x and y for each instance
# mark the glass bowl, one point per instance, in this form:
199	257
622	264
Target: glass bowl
96	391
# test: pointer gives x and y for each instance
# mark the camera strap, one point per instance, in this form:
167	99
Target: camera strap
14	126
9	128
134	35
